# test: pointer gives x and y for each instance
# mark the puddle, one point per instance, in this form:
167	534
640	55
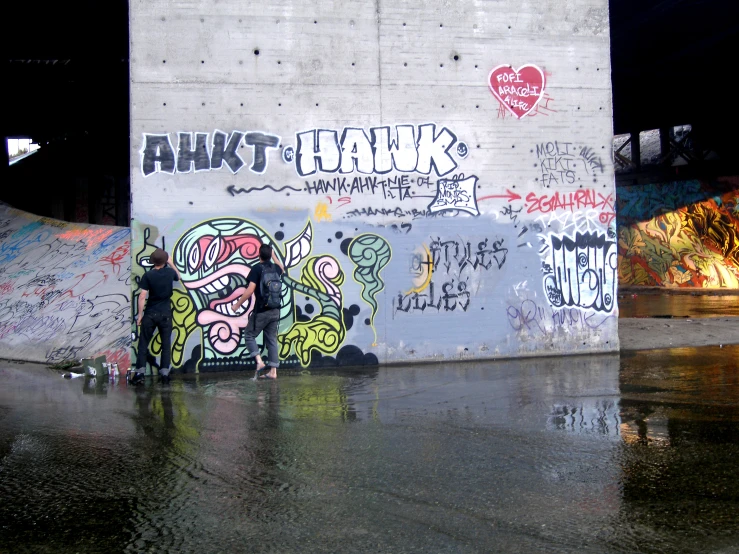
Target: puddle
591	454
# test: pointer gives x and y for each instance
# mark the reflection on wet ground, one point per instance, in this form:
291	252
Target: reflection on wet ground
677	305
586	454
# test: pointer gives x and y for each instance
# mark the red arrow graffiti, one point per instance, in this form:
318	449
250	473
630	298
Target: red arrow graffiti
511	196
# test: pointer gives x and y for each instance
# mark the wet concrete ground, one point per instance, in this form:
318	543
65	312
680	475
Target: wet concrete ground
636	453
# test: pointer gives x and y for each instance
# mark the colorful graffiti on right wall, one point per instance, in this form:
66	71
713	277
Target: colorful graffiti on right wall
680	234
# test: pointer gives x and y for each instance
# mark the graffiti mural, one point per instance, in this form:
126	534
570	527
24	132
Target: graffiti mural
582	272
464	250
564	162
64	289
683	234
456	193
455	263
183	322
158	156
545	320
519	90
370	254
215	257
344	166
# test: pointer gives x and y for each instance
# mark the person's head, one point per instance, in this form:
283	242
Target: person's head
265	252
159	257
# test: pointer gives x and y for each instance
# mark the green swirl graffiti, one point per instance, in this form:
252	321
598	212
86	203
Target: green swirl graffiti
370	253
321	279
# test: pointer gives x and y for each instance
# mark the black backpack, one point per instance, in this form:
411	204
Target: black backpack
270	286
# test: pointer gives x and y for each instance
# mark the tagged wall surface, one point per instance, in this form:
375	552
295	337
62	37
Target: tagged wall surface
436	177
65	289
681	234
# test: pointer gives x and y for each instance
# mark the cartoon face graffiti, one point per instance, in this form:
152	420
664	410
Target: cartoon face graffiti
215	259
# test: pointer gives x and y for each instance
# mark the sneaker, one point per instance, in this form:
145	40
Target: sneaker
138	379
164	379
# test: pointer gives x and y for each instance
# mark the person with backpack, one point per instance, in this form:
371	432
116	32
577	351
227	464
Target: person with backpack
265	283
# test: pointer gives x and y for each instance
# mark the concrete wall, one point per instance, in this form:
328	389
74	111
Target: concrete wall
436	175
65	289
681	234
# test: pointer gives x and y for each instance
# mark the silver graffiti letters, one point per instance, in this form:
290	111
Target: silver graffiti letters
583	272
415	150
158	156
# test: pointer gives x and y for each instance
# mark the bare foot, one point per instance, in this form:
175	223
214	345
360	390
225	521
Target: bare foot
258	371
271	374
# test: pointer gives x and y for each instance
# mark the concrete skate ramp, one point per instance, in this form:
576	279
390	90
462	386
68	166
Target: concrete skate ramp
64	289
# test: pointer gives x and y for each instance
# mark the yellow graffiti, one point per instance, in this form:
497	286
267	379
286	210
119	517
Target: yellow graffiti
322	333
694	246
320	278
183	310
183	324
325	402
422	267
321	212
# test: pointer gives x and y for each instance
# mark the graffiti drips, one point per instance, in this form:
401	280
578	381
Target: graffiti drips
370	254
519	90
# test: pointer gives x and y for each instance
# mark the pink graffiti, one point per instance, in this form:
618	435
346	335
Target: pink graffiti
210	250
225	329
91	237
519	90
328	268
225	326
569	201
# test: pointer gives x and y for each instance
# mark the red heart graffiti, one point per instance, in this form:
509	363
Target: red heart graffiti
518	90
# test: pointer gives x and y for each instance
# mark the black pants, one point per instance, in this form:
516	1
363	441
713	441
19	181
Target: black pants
151	321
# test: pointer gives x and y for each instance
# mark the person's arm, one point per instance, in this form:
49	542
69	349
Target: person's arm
177	271
244	297
142	303
277	261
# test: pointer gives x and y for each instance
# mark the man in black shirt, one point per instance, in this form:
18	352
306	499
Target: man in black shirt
262	318
156	286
